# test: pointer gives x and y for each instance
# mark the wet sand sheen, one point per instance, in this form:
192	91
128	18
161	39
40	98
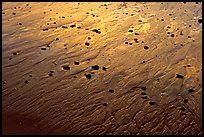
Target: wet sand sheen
101	68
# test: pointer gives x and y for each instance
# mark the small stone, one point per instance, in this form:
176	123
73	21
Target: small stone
72	26
130	31
64	27
104	68
151	102
76	62
143	93
87	44
43	48
143	88
199	20
146	47
88	76
111	90
145	97
191	90
66	67
172	35
179	76
45	29
95	67
186	100
105	104
26	81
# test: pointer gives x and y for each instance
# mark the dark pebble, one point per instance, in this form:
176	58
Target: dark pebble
199	20
104	68
72	26
185	100
111	90
88	76
57	38
14	53
182	108
146	47
130	31
105	104
145	97
64	27
65	67
26	81
143	93
45	29
179	76
43	48
50	74
191	90
95	67
172	35
87	44
151	103
143	88
76	63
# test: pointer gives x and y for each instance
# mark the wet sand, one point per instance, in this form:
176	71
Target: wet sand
102	68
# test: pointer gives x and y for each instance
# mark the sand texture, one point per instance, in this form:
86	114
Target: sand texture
102	68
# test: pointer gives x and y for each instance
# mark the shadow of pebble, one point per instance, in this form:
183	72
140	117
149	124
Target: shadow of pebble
105	104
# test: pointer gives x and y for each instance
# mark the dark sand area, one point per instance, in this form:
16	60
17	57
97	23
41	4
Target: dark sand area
102	68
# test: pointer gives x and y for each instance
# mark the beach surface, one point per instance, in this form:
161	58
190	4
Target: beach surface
102	68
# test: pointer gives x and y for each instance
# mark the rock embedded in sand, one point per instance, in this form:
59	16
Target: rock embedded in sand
88	76
76	62
179	76
144	97
26	81
66	67
199	20
151	102
43	48
95	67
111	91
45	29
104	68
191	90
64	27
